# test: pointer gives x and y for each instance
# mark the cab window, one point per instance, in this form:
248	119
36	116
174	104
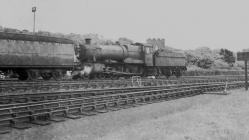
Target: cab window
147	50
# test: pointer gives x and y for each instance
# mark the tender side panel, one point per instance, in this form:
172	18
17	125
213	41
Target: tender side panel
35	54
174	59
64	54
169	61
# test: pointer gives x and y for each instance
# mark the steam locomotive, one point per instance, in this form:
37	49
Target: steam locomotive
130	59
32	56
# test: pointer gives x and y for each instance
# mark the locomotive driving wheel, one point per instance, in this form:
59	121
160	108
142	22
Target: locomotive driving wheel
86	77
57	75
167	73
33	74
100	76
155	72
23	75
114	77
178	73
46	75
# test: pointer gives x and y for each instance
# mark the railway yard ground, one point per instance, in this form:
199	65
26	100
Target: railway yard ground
201	117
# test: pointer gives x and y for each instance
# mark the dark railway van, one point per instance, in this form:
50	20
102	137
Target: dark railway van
32	56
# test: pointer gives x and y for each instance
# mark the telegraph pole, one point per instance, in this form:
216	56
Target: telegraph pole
246	76
34	10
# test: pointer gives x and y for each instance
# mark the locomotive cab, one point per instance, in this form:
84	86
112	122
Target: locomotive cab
148	55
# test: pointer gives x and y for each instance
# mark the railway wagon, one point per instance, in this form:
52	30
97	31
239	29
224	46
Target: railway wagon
32	56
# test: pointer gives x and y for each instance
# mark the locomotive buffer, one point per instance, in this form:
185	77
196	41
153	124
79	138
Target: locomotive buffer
244	56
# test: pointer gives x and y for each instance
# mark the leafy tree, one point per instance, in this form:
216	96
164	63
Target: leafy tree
204	63
191	58
227	56
202	57
124	40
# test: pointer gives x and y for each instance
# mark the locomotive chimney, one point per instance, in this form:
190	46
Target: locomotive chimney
88	41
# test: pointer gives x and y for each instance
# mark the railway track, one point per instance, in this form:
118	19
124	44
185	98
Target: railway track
17	87
16	81
25	115
36	97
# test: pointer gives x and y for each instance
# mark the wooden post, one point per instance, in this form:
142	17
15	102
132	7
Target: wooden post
244	56
34	24
246	78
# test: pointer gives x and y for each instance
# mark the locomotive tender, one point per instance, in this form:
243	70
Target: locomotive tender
32	56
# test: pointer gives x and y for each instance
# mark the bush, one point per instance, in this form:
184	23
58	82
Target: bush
204	63
227	56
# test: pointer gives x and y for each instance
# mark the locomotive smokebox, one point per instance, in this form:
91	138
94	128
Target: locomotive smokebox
88	41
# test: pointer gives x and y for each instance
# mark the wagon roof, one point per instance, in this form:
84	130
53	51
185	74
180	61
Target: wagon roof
30	37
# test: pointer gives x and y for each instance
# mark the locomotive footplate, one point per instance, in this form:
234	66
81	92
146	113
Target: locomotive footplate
113	74
119	73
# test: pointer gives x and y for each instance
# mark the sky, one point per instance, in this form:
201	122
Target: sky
185	24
